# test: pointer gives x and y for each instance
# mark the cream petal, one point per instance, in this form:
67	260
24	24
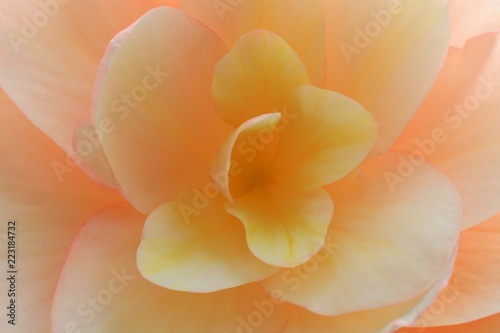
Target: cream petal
163	130
386	244
101	290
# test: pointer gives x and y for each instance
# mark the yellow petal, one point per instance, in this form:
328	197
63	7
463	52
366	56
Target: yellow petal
384	245
194	245
157	141
257	76
376	53
101	290
284	226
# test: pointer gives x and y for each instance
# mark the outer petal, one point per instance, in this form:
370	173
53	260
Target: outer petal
300	23
49	55
47	210
375	54
257	76
156	97
390	246
472	18
486	325
458	126
202	253
101	290
381	320
474	290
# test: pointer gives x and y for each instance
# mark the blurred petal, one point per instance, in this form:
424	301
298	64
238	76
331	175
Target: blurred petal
257	76
472	18
300	23
474	291
385	245
162	138
375	54
50	54
458	126
486	325
202	253
100	286
49	198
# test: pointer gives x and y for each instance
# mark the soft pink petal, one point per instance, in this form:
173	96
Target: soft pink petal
458	126
49	198
386	54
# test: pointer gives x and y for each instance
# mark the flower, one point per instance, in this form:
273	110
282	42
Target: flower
250	166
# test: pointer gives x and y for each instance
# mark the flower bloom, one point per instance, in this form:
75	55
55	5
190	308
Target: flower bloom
251	166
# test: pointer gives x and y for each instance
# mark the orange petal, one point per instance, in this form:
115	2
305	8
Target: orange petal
472	18
458	126
474	290
486	325
257	76
300	23
386	54
101	290
201	253
161	138
50	53
49	198
384	245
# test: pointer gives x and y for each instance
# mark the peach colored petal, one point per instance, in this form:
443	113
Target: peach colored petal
188	246
100	286
47	209
384	245
474	290
486	325
300	23
458	126
158	102
376	52
472	18
381	320
257	76
50	53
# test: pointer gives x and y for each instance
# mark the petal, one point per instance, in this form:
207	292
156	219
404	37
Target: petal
385	245
50	53
257	76
474	291
284	226
300	23
486	325
472	18
458	126
201	253
381	320
156	96
49	198
376	53
101	290
324	137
